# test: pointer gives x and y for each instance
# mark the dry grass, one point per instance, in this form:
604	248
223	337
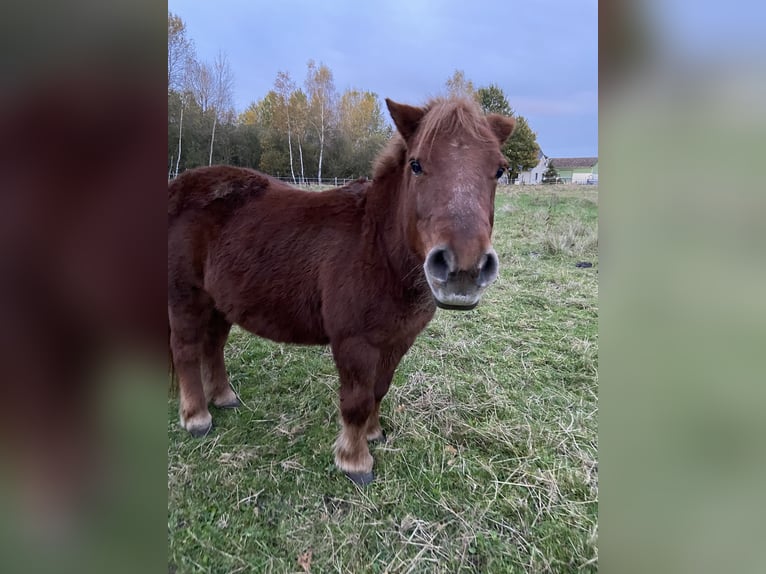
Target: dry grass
491	463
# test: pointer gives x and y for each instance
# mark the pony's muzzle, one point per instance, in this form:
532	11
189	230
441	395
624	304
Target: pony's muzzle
456	288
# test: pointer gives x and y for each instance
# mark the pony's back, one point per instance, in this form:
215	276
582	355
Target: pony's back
198	188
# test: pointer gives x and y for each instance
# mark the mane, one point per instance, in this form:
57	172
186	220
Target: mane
444	116
391	159
452	116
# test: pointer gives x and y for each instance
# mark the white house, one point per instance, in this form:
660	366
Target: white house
535	175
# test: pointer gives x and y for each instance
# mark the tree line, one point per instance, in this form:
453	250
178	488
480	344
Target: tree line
299	131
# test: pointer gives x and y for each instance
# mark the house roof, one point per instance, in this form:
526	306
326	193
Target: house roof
571	162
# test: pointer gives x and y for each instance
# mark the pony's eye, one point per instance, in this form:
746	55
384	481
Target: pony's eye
500	172
416	168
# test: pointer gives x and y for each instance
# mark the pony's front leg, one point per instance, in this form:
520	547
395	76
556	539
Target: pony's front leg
357	362
384	375
373	431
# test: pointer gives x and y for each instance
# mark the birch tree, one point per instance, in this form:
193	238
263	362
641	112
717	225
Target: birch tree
183	98
201	84
299	113
212	86
180	51
180	60
284	88
322	96
222	82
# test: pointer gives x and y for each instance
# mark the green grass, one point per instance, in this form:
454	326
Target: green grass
491	463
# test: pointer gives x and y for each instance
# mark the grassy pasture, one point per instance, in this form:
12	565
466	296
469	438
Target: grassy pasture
491	460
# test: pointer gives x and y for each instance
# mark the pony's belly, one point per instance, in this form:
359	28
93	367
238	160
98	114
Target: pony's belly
284	329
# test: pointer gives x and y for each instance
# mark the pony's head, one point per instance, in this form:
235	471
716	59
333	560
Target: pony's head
453	162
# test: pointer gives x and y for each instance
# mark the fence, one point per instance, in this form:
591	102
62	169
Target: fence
302	182
312	181
339	181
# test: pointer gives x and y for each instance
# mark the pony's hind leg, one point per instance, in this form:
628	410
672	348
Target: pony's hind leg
186	348
355	361
214	379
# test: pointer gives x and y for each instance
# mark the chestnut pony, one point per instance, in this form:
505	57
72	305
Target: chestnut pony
361	268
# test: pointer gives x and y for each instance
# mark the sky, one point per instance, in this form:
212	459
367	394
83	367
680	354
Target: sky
543	54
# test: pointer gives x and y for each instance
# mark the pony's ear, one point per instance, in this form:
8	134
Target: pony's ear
501	126
405	117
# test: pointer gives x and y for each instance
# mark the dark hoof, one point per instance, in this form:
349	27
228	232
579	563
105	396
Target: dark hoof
236	403
382	439
199	432
361	478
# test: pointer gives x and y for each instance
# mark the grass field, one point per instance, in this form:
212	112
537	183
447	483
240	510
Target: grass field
491	460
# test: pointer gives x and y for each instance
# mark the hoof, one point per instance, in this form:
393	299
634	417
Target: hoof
361	478
199	425
200	431
229	404
380	439
226	399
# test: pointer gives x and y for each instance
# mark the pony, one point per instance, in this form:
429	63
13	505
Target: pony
361	268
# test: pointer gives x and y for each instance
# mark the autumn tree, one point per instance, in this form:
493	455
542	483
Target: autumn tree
250	115
322	97
265	115
248	138
458	86
360	116
362	132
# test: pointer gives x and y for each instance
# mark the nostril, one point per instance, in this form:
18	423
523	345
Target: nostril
488	268
438	264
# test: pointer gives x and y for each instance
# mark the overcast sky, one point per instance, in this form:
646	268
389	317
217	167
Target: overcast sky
542	53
